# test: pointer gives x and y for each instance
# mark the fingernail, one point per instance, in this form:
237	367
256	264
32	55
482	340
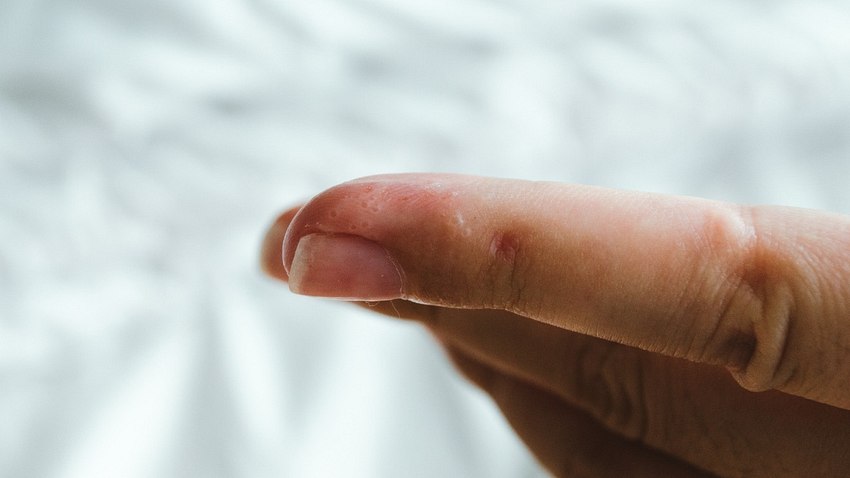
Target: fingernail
343	267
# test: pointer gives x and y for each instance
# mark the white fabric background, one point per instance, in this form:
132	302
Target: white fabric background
144	146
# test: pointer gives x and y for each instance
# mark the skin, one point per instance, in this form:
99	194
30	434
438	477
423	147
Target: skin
620	333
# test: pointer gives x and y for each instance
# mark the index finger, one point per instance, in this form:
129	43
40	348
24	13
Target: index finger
761	291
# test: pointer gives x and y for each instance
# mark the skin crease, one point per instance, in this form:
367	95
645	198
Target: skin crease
621	363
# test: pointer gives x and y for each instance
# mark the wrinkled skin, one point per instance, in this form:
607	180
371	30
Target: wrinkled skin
621	334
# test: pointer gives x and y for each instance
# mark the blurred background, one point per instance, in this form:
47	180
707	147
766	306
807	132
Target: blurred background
145	146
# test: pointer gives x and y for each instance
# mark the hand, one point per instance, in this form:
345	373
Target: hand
621	334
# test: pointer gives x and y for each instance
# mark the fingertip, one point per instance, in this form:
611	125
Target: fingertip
271	251
382	209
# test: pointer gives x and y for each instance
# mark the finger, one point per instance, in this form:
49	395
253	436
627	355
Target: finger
701	280
691	411
601	379
271	251
566	441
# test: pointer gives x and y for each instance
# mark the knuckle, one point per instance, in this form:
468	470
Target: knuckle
763	360
760	317
610	380
712	290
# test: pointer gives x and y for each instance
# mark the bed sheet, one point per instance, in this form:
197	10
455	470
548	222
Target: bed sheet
144	146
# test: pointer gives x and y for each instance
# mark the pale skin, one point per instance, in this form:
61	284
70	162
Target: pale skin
620	333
